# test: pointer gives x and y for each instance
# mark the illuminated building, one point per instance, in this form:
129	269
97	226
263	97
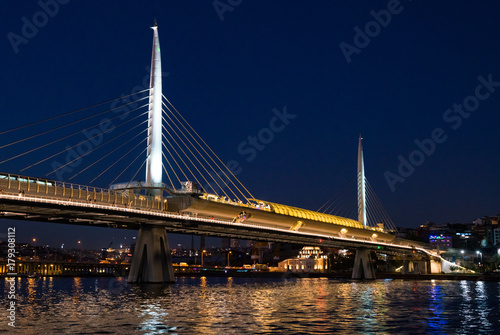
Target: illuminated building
440	240
310	259
496	236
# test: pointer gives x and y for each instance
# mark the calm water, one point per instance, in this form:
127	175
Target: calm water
252	306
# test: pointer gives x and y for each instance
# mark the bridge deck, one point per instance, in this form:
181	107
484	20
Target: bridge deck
47	201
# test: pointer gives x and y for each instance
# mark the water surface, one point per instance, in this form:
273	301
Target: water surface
251	306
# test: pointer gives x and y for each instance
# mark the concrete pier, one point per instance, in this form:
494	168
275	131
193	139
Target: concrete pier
363	266
152	261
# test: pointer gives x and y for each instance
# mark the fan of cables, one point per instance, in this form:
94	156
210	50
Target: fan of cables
107	142
345	203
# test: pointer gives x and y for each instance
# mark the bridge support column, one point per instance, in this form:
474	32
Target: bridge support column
436	266
363	266
416	267
152	262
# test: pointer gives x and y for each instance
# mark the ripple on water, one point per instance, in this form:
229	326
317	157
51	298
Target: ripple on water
254	306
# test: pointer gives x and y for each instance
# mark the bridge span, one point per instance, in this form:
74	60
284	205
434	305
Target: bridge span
35	199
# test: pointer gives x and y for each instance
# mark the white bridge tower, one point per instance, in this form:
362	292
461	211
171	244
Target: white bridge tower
152	261
154	148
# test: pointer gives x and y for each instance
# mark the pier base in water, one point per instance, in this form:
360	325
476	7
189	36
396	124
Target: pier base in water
152	262
422	267
363	266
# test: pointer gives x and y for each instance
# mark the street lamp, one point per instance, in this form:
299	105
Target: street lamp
480	253
80	244
34	246
228	253
202	252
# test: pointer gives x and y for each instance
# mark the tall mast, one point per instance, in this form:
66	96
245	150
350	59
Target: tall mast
154	149
361	185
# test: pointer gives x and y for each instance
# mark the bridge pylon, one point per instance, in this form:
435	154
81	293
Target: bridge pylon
154	164
152	261
363	266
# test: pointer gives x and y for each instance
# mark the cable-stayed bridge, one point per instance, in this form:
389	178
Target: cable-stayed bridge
201	195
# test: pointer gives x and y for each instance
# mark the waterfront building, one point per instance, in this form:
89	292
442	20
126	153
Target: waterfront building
310	259
496	236
484	229
442	241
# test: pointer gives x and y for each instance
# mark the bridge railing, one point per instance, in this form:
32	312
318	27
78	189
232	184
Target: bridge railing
15	184
61	191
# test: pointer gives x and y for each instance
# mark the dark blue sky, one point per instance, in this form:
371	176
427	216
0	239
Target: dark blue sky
226	77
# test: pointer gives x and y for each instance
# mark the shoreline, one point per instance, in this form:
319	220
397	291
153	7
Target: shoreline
291	275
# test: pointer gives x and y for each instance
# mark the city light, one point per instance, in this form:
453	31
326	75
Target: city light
480	253
202	252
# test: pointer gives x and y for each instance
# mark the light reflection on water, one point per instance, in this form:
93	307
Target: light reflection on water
252	306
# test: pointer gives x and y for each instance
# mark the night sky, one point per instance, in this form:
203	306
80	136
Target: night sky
398	81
